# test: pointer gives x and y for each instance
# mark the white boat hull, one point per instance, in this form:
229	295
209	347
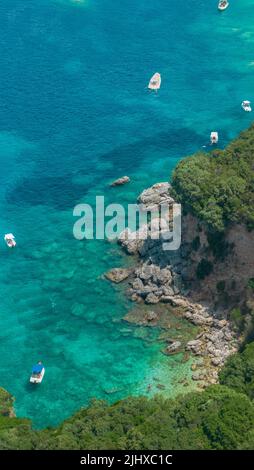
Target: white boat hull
223	7
34	379
155	82
246	108
11	243
10	240
214	137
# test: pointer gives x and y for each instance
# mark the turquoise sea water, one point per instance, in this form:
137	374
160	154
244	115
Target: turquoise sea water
74	115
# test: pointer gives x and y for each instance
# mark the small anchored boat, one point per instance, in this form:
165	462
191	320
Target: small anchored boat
38	372
214	137
223	5
10	240
246	105
155	82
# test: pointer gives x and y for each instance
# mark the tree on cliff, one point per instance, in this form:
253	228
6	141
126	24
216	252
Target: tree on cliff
219	187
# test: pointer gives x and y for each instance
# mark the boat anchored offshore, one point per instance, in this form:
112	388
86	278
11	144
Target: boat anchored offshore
246	105
214	137
10	240
223	5
155	82
38	372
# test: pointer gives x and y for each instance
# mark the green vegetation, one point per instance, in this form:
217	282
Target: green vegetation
218	418
237	319
204	268
238	372
219	187
251	283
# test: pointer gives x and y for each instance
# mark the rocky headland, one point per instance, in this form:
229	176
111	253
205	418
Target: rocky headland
167	278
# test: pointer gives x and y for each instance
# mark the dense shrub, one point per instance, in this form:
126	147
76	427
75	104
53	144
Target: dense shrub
237	319
219	187
238	372
218	418
251	283
204	268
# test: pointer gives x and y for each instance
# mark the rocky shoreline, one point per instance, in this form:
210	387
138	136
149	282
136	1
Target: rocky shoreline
159	278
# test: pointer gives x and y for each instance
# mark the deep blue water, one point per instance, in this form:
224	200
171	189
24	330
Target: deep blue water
75	114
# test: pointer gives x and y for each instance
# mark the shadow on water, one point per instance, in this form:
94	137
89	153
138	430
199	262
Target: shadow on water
123	157
61	192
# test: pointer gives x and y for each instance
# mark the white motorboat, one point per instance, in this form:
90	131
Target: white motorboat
155	82
38	372
246	105
10	240
214	137
223	5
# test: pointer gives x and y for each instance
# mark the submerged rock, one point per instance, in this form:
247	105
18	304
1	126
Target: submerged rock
173	347
117	275
120	181
160	386
198	375
194	346
151	316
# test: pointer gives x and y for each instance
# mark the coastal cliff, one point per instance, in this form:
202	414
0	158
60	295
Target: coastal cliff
216	191
210	278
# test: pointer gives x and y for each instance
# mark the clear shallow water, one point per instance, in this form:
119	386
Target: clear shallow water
75	115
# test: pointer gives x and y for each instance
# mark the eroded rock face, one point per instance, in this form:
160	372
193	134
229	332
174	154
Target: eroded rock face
147	241
231	262
132	242
121	181
152	283
118	275
156	195
198	319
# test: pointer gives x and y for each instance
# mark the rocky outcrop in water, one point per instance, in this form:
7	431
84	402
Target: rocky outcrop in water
155	196
118	275
173	348
121	181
